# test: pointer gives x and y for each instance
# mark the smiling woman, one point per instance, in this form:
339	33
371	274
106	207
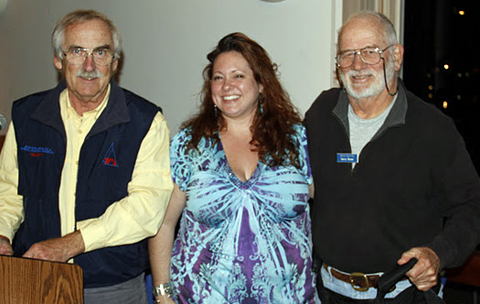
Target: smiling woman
242	188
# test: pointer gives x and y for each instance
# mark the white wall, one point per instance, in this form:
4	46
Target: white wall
166	41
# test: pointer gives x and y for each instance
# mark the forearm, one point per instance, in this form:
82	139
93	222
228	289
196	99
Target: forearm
160	250
74	244
160	247
460	207
455	244
127	221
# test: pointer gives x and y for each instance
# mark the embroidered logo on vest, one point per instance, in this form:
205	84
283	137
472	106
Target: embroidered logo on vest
110	158
37	151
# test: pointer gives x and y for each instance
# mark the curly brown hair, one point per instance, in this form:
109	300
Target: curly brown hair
273	128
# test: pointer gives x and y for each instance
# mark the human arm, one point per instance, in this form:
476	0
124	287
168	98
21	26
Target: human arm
460	209
311	190
11	210
459	206
160	246
11	203
140	213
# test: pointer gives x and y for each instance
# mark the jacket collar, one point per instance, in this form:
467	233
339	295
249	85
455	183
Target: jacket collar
116	112
396	116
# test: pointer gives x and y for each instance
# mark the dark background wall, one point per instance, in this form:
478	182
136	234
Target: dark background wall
436	34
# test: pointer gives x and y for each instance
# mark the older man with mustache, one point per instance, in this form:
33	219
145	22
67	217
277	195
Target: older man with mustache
85	169
393	180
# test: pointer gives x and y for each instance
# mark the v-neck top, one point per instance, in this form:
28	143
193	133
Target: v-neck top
242	242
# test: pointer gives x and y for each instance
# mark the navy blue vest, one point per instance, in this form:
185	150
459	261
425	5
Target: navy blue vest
107	159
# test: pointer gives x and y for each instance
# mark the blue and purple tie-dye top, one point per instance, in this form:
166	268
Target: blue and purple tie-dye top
241	242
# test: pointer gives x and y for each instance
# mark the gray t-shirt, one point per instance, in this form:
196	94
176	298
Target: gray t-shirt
363	130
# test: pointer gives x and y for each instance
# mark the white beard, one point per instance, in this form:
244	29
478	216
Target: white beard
374	89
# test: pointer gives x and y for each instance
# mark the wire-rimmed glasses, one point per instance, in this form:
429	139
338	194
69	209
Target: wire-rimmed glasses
78	55
369	55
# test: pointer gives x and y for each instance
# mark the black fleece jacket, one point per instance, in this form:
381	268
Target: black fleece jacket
414	185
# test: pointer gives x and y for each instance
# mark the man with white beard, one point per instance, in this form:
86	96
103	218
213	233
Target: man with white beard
393	180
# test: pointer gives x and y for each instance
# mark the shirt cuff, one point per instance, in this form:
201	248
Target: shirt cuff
93	234
7	233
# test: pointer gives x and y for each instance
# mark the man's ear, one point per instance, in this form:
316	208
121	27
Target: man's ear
398	56
57	62
114	65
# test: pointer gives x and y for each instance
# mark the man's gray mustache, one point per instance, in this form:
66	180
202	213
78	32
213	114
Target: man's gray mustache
89	74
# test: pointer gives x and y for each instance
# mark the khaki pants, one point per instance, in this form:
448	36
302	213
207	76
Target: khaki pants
129	292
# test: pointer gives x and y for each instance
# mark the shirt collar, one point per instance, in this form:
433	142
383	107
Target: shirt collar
396	116
70	110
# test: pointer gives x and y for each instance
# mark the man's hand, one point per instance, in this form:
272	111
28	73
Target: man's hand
59	249
424	274
5	247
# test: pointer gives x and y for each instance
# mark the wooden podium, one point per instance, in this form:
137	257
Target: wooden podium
28	281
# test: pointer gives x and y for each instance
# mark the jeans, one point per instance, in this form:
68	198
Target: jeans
347	290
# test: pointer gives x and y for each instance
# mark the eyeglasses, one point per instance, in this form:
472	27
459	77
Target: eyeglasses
369	55
78	55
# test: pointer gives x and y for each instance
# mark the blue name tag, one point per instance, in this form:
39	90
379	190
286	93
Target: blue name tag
347	158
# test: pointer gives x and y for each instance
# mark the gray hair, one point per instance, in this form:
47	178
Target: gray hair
387	26
78	16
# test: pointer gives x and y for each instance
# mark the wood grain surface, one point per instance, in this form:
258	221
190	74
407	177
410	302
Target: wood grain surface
25	281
